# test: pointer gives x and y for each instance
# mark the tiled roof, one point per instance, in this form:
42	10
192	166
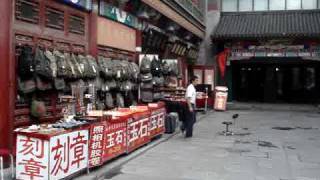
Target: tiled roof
271	24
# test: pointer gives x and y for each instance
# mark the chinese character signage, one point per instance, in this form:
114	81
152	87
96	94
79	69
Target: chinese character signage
115	139
68	153
156	124
138	133
96	144
32	158
56	158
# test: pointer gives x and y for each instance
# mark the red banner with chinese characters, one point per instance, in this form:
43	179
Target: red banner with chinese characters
156	124
115	138
96	144
138	130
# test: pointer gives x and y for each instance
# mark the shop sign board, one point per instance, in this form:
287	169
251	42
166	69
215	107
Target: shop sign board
96	144
117	14
56	158
138	133
116	35
275	51
32	158
156	124
115	139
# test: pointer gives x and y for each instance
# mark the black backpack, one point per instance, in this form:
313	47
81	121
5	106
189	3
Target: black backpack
85	68
146	96
145	65
109	101
93	66
106	67
146	85
75	70
156	69
121	70
145	77
42	63
26	67
133	71
166	68
120	100
62	67
76	66
158	81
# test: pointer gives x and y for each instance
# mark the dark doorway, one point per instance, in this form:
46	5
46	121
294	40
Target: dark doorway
286	80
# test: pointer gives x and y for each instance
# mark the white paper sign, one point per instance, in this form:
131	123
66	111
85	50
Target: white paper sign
68	154
32	158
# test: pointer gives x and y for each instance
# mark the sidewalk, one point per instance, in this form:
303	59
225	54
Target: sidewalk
267	145
113	166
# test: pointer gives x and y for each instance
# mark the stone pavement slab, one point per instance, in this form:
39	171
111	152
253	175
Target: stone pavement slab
267	145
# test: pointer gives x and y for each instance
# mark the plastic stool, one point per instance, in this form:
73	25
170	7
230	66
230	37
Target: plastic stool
5	152
227	132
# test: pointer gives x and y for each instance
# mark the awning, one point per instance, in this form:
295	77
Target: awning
267	25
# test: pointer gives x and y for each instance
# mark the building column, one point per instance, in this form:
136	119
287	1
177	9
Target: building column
6	86
93	32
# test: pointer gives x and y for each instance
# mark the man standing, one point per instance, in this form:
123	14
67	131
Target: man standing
191	101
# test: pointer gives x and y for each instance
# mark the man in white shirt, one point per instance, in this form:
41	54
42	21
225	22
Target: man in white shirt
191	101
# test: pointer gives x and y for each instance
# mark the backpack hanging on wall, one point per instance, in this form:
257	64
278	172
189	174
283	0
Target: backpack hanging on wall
133	71
73	66
145	65
156	69
85	68
26	66
62	67
59	83
72	60
106	67
119	100
166	68
42	63
146	96
27	85
158	81
146	77
94	66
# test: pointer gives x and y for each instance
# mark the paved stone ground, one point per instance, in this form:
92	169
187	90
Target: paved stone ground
267	145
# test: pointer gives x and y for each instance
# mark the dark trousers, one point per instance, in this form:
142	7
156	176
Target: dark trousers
191	119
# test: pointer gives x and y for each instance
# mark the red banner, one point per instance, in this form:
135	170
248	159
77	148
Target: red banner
96	145
115	139
156	124
138	133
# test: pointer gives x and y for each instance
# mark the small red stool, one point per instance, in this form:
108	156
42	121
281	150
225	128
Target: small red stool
5	152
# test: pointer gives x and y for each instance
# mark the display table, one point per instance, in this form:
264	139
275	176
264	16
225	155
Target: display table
52	154
156	124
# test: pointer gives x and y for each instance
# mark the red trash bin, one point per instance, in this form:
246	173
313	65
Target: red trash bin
221	96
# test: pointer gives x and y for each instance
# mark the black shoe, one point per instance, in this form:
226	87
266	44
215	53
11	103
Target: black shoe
188	136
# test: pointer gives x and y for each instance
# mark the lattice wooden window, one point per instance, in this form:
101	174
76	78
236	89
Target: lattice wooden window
77	24
54	18
27	10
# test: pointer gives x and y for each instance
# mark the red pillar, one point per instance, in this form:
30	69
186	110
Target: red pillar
93	32
6	87
138	43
